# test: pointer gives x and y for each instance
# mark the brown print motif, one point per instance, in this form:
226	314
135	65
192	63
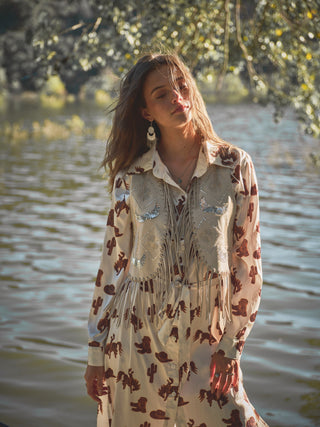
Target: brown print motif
234	420
145	424
203	336
180	204
253	272
119	182
104	322
159	415
210	397
246	191
227	156
121	263
241	333
135	321
238	231
174	333
169	310
192	369
151	371
242	250
163	357
117	233
216	302
98	279
96	304
109	289
191	423
110	220
128	380
257	254
236	174
114	314
254	190
110	245
109	374
167	389
94	344
195	312
239	346
188	333
140	406
183	369
181	402
253	316
250	210
241	308
120	206
151	310
145	346
147	286
237	285
113	347
251	422
106	391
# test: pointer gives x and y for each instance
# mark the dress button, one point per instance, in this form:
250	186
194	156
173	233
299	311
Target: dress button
173	365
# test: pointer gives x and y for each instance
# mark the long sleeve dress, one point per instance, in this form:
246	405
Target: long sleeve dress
156	346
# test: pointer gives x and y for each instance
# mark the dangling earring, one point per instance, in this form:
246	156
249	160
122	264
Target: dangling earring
151	135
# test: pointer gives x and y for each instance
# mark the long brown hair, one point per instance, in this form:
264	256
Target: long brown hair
127	139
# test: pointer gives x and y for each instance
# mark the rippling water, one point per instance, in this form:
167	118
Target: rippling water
53	212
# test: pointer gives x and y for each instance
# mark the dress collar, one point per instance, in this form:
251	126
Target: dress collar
212	153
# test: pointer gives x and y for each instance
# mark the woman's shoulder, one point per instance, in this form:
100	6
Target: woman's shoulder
225	154
141	164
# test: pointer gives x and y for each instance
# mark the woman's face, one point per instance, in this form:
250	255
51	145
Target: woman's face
168	106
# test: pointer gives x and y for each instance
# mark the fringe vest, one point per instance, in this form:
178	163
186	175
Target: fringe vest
203	235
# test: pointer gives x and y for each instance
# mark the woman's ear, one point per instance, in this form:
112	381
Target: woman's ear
146	115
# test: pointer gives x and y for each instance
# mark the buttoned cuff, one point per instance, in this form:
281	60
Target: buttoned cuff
95	356
231	347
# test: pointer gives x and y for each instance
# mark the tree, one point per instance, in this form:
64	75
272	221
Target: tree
273	45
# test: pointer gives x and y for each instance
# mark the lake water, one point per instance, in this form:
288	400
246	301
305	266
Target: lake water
53	212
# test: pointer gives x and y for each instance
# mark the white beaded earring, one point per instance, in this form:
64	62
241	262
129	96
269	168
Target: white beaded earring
151	135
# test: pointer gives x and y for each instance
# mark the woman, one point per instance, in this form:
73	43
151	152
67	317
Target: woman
179	283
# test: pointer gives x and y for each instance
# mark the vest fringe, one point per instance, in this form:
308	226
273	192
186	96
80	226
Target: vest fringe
178	253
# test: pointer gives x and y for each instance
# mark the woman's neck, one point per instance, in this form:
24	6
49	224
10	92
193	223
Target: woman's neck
178	145
179	152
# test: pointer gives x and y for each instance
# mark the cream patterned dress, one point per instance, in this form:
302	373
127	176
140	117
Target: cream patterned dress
156	339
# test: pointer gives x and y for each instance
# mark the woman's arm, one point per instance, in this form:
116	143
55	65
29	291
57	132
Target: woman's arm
112	270
246	279
245	269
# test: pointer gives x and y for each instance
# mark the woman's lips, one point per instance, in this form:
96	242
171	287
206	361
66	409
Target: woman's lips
180	109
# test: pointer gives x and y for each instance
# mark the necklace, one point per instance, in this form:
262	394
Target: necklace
189	166
179	179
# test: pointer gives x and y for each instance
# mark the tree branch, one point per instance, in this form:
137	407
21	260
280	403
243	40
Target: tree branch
226	46
252	72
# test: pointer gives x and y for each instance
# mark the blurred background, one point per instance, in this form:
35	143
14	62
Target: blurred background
257	64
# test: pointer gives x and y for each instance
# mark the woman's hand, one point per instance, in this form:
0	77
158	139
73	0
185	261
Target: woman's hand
94	377
223	373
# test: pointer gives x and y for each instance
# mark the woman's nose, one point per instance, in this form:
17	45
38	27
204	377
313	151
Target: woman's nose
176	96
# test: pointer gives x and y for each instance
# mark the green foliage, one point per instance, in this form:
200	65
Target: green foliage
272	45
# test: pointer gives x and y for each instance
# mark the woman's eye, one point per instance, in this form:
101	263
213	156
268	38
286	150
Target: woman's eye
161	95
